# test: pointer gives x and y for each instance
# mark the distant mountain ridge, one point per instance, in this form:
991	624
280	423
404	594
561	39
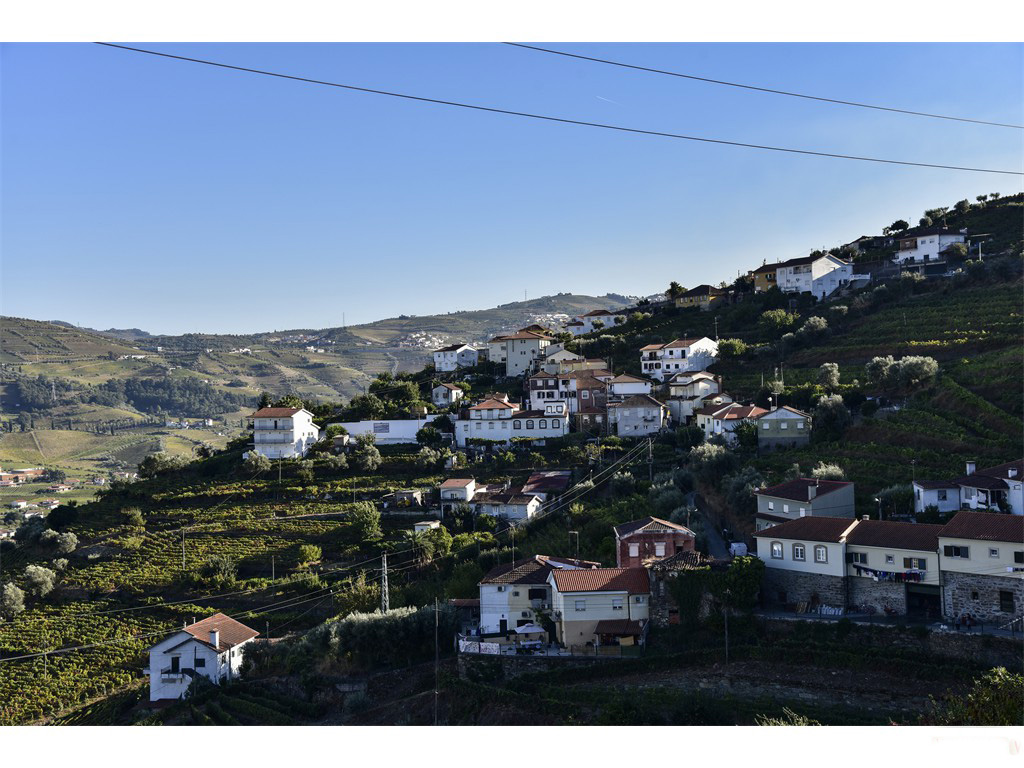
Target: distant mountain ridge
125	334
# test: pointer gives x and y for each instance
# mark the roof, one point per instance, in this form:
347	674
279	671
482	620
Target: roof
598	313
504	497
527	335
691	376
930	485
796	490
702	290
231	632
531	570
465	602
631	580
676	344
638	401
785	408
924	231
274	413
886	533
982	481
448	386
737	411
451	348
457	482
686	560
1001	470
985	526
491	402
618	627
625	378
551	481
811	528
648	525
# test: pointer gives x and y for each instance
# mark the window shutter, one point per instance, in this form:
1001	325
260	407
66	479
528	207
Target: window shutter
947	550
849	557
907	562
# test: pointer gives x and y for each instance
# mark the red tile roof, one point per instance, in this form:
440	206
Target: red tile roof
631	580
491	403
887	533
672	344
457	482
812	528
985	526
797	490
531	570
274	413
649	524
231	632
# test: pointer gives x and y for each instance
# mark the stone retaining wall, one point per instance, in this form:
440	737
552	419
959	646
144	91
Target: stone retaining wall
880	594
801	587
959	588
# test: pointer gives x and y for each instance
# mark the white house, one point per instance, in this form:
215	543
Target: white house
819	275
559	360
803	497
506	505
981	556
601	606
725	419
211	648
638	416
920	245
425	525
661	361
445	395
455	491
501	421
998	488
387	431
586	323
515	594
283	433
693	390
520	351
624	386
456	356
944	495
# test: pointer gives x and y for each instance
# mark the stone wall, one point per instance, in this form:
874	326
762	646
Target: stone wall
959	588
800	587
494	668
866	591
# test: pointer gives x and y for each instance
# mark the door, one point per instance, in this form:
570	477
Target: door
175	665
503	626
923	601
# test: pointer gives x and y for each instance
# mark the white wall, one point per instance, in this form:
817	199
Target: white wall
224	665
924	497
397	430
836	554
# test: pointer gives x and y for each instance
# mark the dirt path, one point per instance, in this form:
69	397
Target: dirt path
38	446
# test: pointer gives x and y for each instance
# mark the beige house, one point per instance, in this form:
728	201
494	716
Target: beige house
803	497
981	556
783	427
586	601
520	351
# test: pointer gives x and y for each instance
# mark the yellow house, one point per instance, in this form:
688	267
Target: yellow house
702	297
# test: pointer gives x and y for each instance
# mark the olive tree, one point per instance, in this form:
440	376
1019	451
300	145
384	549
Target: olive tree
12	601
39	580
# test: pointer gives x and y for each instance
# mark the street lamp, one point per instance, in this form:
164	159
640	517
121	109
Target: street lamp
577	535
879	500
913	470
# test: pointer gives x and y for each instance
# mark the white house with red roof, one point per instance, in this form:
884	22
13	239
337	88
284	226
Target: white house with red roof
661	361
520	351
211	648
691	391
501	421
803	497
600	606
998	488
624	385
725	419
445	395
455	356
283	433
586	323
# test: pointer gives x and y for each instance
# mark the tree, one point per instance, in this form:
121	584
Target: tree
915	371
309	553
925	221
60	543
264	401
740	586
366	455
828	375
160	463
219	570
12	601
775	322
55	476
995	698
828	472
289	401
956	252
731	348
982	199
337	462
334	430
132	516
746	434
365	520
366	407
441	540
305	472
675	290
40	581
464	580
831	418
897	226
428	458
429	435
257	463
962	206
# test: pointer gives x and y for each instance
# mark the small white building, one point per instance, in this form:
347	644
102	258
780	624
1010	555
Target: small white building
507	505
387	431
943	495
456	356
520	351
283	433
425	525
624	386
637	416
661	361
591	321
501	421
725	419
820	275
921	245
211	648
691	391
445	395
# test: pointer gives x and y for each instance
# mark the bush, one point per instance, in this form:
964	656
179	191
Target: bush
996	698
257	462
60	543
12	601
731	348
366	455
309	553
828	375
219	570
828	472
40	581
365	520
831	418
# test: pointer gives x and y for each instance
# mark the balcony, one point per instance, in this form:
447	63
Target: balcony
167	676
258	440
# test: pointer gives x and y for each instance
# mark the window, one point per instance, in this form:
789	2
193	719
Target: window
890	560
776	550
200	663
771	506
659	549
766	425
799	552
785	507
585	394
581	605
915	563
515	593
501	588
993	552
820	554
1005	601
638	599
783	425
490	425
974	595
634	550
616	603
962	553
543	423
860	558
529	423
517	424
799	425
941	495
1018	557
504	425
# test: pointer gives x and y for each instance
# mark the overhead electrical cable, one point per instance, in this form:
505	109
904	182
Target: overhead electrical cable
565	120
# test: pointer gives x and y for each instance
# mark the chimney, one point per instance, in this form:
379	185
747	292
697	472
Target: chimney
215	638
1011	472
970	467
865	517
812	491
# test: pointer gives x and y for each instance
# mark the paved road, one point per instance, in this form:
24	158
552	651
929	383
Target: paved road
718	547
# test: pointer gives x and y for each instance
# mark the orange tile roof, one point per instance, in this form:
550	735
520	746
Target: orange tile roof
274	413
631	580
231	632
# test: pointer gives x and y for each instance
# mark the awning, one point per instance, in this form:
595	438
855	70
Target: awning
530	629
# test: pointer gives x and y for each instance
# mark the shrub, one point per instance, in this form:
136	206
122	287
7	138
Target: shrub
257	462
828	472
60	543
366	455
40	581
12	601
309	553
831	418
731	348
365	519
219	570
996	698
828	375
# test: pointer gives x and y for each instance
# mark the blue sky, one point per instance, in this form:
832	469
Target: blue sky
175	197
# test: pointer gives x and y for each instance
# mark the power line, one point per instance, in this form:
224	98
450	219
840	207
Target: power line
564	120
761	89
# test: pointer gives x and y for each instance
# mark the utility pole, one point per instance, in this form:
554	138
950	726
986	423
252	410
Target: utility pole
436	661
725	612
268	630
183	549
650	460
279	471
716	327
577	535
385	595
512	531
273	569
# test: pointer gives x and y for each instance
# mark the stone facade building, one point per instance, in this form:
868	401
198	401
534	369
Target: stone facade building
639	542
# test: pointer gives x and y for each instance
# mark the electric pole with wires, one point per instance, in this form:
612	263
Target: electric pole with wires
436	660
650	460
385	597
